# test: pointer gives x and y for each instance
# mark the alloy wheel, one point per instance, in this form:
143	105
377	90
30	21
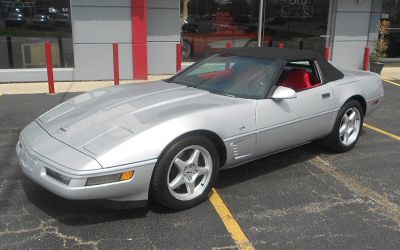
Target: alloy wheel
189	173
350	126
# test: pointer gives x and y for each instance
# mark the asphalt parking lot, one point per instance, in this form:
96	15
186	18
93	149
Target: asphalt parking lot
305	198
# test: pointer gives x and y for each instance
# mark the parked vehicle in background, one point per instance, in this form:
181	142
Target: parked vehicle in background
197	45
202	35
41	21
62	19
15	19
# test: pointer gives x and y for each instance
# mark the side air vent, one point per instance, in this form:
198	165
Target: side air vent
235	149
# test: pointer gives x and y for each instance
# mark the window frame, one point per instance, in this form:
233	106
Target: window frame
314	64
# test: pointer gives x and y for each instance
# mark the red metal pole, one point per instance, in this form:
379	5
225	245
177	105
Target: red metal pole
281	45
116	63
366	59
178	57
229	45
49	62
327	54
139	39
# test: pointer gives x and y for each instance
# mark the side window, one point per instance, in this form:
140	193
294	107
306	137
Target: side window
300	76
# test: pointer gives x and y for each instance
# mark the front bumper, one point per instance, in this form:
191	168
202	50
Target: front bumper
42	170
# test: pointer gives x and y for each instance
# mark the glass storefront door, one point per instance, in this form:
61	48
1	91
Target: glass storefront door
297	23
391	12
212	24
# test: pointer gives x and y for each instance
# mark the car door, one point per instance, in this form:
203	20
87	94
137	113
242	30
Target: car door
286	123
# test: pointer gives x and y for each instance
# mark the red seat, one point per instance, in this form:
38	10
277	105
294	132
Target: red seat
297	79
216	74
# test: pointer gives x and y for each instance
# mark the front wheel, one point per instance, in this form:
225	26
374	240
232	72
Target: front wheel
185	173
347	128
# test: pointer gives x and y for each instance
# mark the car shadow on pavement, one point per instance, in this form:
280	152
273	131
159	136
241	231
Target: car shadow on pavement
75	212
78	213
83	212
269	164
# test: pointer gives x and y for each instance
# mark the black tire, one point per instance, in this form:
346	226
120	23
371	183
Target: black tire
252	43
186	49
159	190
333	141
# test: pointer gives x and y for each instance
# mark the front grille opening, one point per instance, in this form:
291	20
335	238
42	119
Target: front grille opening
57	176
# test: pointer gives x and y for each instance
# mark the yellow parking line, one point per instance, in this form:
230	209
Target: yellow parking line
394	83
230	223
382	131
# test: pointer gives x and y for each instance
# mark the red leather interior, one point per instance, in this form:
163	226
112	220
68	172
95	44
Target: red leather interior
216	74
298	80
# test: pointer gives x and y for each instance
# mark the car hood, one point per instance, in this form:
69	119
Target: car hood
99	120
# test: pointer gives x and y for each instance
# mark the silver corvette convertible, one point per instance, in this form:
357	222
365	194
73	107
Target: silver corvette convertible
167	140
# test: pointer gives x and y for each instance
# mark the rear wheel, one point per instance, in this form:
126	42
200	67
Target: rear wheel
252	43
186	49
347	128
185	173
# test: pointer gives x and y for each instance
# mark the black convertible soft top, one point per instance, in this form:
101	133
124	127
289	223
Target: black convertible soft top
329	72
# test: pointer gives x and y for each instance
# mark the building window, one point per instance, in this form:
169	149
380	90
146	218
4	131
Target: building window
211	24
297	23
24	27
391	12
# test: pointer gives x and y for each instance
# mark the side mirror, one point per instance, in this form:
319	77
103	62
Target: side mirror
284	93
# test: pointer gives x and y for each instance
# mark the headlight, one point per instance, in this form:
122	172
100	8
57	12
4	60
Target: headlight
125	176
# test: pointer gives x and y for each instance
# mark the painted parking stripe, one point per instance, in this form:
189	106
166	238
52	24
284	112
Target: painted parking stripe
394	83
229	221
390	209
381	131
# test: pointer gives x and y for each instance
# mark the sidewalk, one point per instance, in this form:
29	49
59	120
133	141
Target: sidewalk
64	87
391	71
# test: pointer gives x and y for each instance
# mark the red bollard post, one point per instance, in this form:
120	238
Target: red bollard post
229	45
281	45
49	63
116	63
327	54
178	57
366	59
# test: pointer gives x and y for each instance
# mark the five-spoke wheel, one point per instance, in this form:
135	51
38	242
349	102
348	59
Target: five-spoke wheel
350	126
189	172
347	127
185	172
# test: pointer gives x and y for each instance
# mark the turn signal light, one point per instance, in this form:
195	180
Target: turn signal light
126	176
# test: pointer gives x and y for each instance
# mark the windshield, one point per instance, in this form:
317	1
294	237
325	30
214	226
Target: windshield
230	75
